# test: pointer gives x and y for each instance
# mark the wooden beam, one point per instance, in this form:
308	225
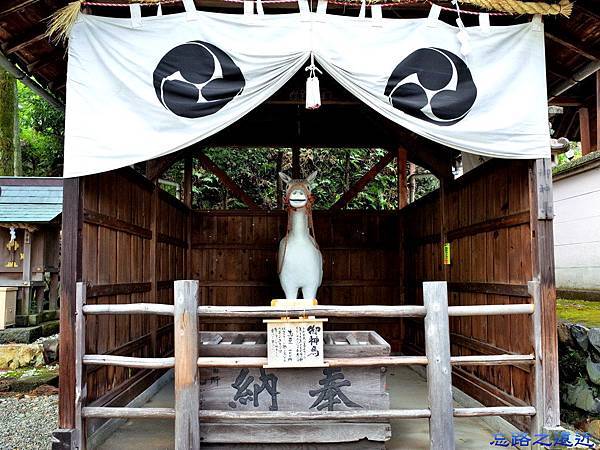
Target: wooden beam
80	373
206	162
187	388
584	130
72	223
598	111
562	100
48	58
542	249
156	167
363	181
296	170
187	181
573	44
18	7
35	34
401	169
586	10
439	370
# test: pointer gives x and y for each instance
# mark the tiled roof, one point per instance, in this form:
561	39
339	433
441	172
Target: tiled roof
30	203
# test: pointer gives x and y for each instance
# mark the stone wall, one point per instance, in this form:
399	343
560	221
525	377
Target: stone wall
579	366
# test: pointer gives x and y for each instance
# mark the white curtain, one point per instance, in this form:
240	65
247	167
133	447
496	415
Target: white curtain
145	87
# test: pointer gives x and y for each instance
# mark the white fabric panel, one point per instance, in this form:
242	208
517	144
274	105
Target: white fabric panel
509	117
124	107
114	117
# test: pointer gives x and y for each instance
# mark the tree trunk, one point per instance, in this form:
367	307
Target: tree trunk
8	125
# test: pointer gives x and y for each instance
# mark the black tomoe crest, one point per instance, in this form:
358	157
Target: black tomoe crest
434	85
197	79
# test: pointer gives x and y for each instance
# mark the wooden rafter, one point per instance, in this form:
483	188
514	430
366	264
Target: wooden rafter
156	167
573	44
45	60
18	7
238	192
363	181
563	100
37	33
425	153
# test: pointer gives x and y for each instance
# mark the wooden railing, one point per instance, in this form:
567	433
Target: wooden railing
186	362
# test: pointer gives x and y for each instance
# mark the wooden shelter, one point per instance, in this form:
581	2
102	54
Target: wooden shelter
128	245
31	208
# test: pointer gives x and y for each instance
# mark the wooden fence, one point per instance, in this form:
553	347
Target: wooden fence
186	361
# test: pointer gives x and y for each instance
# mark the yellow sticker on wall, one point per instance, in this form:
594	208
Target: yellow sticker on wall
447	254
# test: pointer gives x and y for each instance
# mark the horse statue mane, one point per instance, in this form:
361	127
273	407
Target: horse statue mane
300	263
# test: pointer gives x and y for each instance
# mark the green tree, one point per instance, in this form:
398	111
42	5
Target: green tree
41	134
10	163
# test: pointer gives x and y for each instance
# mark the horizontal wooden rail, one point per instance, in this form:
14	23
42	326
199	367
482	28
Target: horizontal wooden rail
485	411
321	310
166	363
131	308
260	416
491	360
288	416
129	361
333	362
490	310
360	311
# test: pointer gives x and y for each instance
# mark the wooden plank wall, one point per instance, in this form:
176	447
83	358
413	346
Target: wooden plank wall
485	218
122	258
234	255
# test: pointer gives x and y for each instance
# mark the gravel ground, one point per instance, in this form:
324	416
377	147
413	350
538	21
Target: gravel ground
27	422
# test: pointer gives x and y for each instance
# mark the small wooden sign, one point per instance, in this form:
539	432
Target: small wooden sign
447	254
295	343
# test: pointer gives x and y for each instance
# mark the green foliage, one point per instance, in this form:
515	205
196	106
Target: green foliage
255	171
41	133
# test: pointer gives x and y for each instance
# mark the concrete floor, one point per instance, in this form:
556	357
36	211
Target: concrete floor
407	390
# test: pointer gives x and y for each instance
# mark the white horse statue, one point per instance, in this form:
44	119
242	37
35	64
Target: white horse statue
300	264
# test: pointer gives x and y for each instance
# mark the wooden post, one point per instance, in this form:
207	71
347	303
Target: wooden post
70	274
80	376
153	261
296	170
542	246
537	423
27	290
187	389
584	130
402	187
439	372
598	111
412	170
187	181
53	294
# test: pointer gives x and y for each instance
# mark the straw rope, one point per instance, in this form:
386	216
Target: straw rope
564	7
62	21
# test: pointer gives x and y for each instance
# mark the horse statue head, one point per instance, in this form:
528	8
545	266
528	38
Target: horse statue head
298	194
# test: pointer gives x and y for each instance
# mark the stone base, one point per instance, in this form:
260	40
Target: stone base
36	319
63	439
24	335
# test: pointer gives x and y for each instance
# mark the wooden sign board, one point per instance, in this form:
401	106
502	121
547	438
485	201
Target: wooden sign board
295	343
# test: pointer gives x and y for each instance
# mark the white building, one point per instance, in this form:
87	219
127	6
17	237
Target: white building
577	228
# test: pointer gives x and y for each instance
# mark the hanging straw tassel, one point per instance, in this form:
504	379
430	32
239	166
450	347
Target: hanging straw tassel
62	21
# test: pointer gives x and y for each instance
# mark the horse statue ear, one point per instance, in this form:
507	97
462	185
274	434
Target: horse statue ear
285	178
312	177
